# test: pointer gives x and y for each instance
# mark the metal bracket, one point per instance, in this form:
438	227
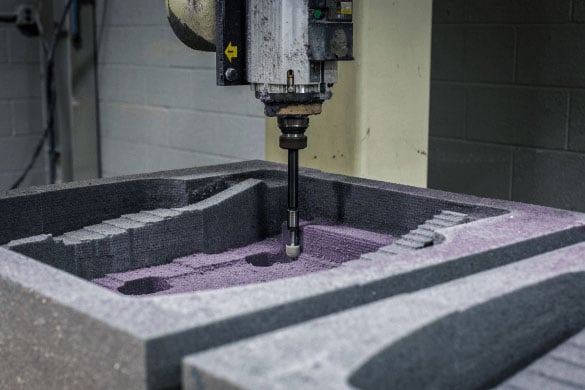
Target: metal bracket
231	42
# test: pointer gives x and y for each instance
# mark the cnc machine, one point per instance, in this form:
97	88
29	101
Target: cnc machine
286	50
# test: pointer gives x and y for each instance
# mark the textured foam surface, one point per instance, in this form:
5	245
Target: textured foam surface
561	369
458	335
492	294
324	247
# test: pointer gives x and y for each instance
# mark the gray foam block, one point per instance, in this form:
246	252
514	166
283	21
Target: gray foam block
561	368
464	334
59	330
155	237
232	218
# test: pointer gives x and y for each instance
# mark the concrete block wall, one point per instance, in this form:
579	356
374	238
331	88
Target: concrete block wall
507	101
160	107
21	115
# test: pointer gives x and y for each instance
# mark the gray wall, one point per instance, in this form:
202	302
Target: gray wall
160	106
508	100
21	123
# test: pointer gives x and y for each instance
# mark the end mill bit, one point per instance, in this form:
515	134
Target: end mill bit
293	247
293	139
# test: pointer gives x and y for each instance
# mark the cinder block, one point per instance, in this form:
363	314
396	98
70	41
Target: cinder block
489	53
119	47
579	11
5	120
143	63
182	88
230	135
122	83
548	178
132	13
125	158
4	56
448	52
501	11
449	11
19	81
22	48
201	132
473	53
165	49
28	116
470	168
576	140
462	334
132	122
551	55
162	48
448	104
151	46
36	177
517	116
16	153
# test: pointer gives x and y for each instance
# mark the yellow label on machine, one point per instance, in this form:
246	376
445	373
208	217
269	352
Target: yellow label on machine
231	52
346	8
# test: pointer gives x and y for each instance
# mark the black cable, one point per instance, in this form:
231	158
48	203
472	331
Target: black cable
50	93
98	121
59	30
46	132
44	43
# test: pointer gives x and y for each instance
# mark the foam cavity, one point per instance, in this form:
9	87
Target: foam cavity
324	247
